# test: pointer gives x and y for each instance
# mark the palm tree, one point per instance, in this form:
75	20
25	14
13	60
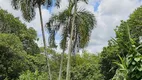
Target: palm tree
27	8
61	21
83	25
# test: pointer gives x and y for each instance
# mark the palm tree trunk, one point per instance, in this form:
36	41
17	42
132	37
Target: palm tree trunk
44	41
70	43
61	64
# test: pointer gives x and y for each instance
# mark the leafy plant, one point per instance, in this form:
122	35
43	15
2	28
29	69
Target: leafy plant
130	67
28	75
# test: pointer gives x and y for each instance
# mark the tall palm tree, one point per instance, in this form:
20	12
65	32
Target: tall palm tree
83	25
62	20
27	8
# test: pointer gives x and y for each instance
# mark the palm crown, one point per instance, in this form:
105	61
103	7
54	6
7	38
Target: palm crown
28	6
84	24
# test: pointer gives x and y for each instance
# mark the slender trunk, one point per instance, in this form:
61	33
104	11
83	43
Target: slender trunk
62	55
61	64
44	41
70	44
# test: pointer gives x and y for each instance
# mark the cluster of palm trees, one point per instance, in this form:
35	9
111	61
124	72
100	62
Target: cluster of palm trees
76	27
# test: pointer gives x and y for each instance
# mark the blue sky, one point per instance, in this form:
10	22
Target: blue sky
108	15
96	6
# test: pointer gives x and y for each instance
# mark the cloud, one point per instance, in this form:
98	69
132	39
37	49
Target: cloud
118	7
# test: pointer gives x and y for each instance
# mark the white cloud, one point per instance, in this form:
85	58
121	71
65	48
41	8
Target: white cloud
117	7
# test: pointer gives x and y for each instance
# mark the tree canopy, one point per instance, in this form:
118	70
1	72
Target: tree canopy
11	25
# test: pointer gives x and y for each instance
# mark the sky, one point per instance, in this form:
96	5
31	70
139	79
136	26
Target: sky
108	14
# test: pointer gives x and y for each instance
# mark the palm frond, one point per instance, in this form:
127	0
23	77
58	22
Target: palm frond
63	43
28	10
86	1
27	7
51	39
86	22
58	3
15	4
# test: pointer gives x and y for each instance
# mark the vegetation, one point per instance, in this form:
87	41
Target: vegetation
22	59
127	45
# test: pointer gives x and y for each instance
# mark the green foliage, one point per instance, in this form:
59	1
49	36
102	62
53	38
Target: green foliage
28	75
126	45
108	55
36	62
130	67
122	71
85	67
132	63
14	60
11	56
11	25
15	42
135	24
